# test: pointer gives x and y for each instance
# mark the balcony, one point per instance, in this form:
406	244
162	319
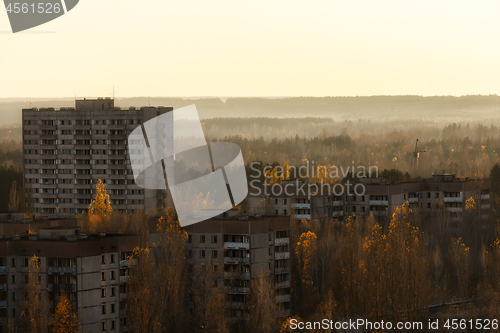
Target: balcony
3	270
3	304
282	241
486	206
236	305
283	298
338	203
239	290
237	275
379	203
127	263
283	313
378	212
302	216
454	209
123	313
236	246
69	287
123	279
123	297
338	213
281	255
236	260
281	270
3	286
412	200
282	284
301	205
61	270
485	196
453	199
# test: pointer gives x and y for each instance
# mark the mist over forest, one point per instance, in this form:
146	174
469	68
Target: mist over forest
459	134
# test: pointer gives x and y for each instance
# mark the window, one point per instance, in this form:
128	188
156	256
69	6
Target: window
284	201
103	276
202	253
13	313
103	309
112	275
190	239
437	195
275	201
113	308
202	238
112	258
13	295
103	325
112	291
13	279
428	205
113	324
25	262
103	259
13	262
404	196
214	239
103	292
214	254
284	211
428	194
363	198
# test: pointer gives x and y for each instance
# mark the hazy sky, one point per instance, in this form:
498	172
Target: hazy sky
256	48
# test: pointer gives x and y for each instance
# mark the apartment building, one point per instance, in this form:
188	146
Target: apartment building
293	198
243	245
91	269
443	192
66	151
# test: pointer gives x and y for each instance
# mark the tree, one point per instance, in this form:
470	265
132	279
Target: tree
64	319
101	205
100	209
13	198
34	314
261	304
495	180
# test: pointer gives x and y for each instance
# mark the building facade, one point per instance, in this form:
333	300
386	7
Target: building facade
91	269
445	193
66	151
244	246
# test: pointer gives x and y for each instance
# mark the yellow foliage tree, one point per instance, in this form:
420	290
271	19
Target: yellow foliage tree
64	319
100	209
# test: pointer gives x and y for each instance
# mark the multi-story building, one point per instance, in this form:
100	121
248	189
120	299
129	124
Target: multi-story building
441	192
90	269
244	246
66	151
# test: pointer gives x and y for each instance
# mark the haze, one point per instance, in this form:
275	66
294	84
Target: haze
256	48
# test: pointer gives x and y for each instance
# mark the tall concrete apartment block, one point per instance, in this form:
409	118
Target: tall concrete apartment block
91	269
243	246
67	150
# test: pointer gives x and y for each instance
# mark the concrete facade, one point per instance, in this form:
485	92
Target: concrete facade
66	151
91	269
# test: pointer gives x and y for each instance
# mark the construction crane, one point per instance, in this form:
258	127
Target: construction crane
416	155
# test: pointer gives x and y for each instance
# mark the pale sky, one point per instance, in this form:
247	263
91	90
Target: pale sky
256	48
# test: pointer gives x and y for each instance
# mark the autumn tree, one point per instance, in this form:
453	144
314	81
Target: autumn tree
159	278
65	319
140	293
459	255
305	253
100	209
13	198
261	304
34	314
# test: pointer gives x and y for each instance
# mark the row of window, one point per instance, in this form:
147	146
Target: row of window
84	122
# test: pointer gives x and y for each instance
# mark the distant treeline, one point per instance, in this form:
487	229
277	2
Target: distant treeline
339	108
